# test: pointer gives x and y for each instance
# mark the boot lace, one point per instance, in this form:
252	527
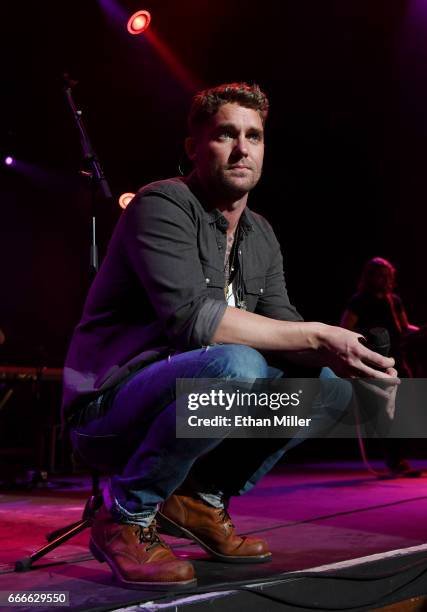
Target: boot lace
225	517
148	535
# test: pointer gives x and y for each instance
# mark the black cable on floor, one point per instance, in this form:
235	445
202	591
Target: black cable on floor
296	604
334	515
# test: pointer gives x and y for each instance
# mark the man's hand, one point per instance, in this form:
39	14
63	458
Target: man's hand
385	391
349	357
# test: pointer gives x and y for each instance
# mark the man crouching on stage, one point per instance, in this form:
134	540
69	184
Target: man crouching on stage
192	286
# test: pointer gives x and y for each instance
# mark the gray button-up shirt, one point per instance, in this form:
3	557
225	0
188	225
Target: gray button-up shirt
160	288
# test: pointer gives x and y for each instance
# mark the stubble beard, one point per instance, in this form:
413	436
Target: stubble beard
235	188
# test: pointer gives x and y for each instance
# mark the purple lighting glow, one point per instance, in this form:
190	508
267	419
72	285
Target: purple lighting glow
8	160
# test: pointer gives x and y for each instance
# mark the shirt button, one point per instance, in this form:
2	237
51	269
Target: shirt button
208	280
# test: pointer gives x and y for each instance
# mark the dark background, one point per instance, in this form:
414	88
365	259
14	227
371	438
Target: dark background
344	175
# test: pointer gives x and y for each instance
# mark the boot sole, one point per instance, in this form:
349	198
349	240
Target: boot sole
166	525
129	584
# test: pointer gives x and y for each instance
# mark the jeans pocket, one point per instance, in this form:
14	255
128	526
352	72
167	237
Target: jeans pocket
103	453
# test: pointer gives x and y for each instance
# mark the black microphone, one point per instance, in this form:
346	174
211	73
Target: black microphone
378	340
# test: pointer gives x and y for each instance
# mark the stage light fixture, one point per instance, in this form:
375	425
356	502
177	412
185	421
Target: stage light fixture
139	22
125	198
8	160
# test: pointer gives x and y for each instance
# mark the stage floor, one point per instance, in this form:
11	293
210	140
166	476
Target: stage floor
311	515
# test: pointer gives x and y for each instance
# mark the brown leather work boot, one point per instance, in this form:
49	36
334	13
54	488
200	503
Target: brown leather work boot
190	517
137	556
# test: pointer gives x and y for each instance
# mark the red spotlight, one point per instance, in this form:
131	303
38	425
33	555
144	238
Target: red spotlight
125	198
139	22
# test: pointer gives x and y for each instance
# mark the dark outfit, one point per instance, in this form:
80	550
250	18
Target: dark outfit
149	318
374	311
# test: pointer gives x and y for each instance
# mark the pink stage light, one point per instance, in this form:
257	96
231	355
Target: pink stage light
8	160
125	198
139	22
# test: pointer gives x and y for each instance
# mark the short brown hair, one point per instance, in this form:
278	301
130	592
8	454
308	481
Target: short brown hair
207	102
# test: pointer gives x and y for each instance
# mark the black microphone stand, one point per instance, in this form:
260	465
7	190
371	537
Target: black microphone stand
98	184
95	174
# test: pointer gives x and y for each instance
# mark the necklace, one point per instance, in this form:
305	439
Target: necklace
230	256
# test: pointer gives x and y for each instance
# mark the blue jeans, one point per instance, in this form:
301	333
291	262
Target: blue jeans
136	438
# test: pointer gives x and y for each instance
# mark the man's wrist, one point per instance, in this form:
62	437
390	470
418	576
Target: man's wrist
315	334
302	336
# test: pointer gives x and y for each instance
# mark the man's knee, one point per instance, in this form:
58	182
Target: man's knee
235	361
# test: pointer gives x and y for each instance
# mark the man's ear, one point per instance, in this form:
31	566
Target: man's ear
190	147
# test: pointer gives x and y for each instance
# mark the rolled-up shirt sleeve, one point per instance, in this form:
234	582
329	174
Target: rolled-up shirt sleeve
161	242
